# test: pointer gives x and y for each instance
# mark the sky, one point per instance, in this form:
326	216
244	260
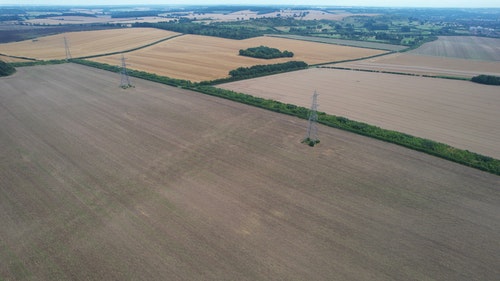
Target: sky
370	3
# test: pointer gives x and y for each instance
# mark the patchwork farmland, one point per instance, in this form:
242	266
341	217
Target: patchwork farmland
465	47
86	43
454	56
459	113
200	58
156	182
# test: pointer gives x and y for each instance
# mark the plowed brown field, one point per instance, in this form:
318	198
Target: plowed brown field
160	183
85	43
199	58
459	113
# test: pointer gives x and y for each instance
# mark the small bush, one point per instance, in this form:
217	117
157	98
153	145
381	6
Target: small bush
6	69
486	79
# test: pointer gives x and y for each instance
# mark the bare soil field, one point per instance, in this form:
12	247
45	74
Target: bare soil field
464	47
412	63
157	183
85	43
462	114
199	58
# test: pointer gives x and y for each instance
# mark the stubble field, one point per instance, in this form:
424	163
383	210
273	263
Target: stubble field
200	58
155	183
456	56
86	43
459	113
465	47
426	65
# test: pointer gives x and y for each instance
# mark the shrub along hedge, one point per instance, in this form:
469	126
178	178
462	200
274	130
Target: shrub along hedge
486	79
445	151
6	69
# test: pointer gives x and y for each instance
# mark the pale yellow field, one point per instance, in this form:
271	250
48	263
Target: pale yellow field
459	113
11	59
87	20
85	43
199	58
427	65
459	56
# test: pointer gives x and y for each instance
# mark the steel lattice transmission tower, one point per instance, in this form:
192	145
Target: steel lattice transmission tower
66	48
311	137
125	81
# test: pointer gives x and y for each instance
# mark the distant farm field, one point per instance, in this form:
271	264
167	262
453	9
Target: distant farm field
459	113
160	183
199	58
352	43
464	47
413	63
86	43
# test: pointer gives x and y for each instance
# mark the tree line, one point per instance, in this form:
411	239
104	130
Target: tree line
445	151
260	70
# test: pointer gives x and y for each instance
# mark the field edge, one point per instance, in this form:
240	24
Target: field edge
460	156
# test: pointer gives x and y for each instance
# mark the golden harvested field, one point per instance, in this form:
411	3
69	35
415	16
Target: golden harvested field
459	113
426	65
160	183
199	58
88	20
85	43
10	59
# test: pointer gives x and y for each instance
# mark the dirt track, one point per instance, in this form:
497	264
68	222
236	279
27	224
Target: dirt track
159	183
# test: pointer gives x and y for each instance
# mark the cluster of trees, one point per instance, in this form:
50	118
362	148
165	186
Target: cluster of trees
264	52
486	79
6	69
135	14
260	70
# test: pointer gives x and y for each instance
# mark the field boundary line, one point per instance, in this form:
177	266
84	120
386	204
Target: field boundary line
356	59
133	49
341	42
396	73
441	150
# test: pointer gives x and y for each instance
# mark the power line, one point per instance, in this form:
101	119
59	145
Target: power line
66	48
311	137
125	80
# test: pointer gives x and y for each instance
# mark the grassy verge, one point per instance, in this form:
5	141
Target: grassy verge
36	62
445	151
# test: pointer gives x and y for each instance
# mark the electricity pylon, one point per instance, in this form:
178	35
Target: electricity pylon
125	81
311	137
66	48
